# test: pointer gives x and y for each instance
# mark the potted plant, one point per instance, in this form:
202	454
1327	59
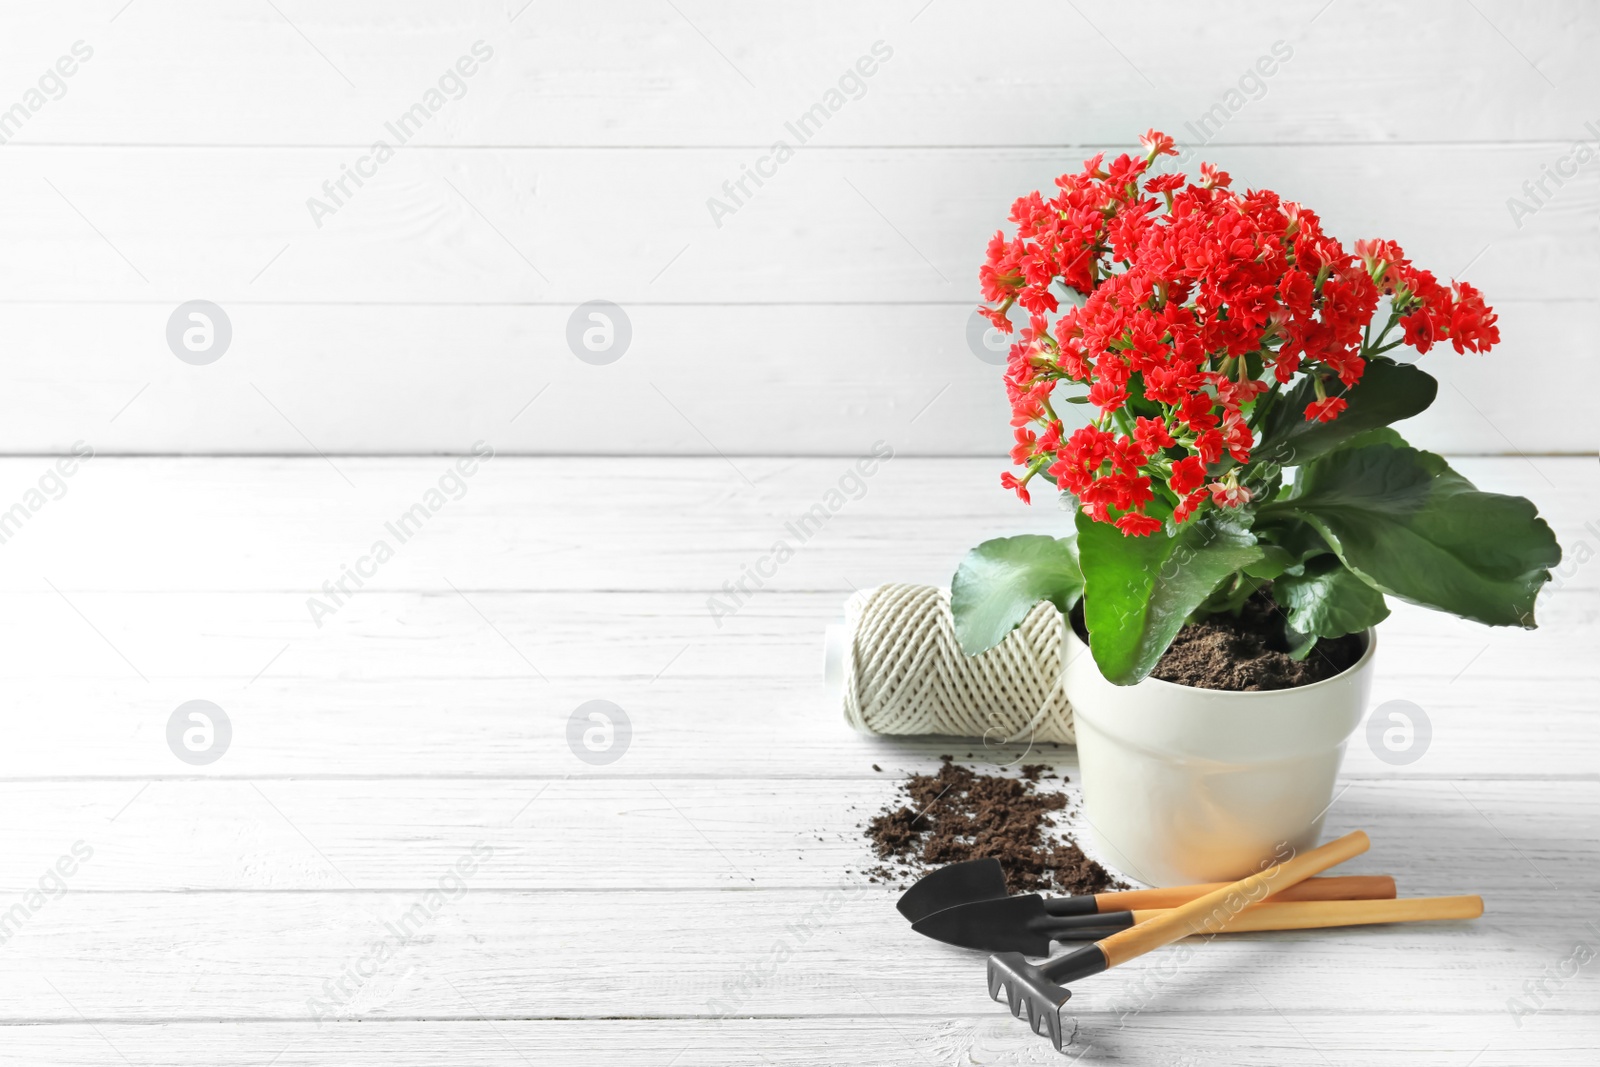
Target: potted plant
1241	506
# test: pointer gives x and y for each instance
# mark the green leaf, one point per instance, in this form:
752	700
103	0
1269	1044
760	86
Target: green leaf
1383	435
1300	645
1409	526
1298	538
1387	392
1328	600
1139	591
1275	560
1000	581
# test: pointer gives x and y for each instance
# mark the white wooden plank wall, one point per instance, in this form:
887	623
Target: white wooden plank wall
829	310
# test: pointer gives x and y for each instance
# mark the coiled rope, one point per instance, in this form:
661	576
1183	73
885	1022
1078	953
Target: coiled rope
904	673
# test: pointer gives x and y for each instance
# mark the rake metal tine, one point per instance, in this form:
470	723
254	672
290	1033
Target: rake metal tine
1029	993
1041	989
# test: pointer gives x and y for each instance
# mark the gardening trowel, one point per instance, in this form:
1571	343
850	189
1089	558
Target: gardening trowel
1021	924
974	880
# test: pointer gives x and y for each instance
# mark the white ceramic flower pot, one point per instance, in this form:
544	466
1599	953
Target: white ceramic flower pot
1186	785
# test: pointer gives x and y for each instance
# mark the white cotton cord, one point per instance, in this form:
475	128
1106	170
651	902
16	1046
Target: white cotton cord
902	671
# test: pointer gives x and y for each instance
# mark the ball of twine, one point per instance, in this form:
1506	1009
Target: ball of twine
905	673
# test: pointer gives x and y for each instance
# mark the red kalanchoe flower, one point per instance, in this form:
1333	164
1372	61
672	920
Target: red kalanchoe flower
1199	306
1166	183
1188	474
1325	410
1236	433
1023	450
1213	177
1158	144
1128	457
1136	524
1197	410
1418	330
1108	394
1229	494
1187	506
1152	435
1121	491
1472	323
1009	481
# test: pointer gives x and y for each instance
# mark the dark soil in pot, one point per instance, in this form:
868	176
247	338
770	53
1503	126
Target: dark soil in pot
1248	653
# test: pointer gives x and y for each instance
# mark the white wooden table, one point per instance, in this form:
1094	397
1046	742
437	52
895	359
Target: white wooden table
689	902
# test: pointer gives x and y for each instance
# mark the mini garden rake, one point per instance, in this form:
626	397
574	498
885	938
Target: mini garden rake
1037	993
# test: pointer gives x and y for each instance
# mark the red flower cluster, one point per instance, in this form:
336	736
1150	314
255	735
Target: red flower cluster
1195	302
1428	311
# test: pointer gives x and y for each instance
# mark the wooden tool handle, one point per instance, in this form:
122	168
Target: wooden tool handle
1315	914
1228	901
1344	887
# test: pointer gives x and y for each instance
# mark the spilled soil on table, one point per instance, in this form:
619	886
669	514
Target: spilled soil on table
959	814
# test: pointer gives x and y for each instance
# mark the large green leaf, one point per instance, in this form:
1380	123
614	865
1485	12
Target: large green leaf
1410	526
1387	392
1328	600
1139	591
1001	580
1294	537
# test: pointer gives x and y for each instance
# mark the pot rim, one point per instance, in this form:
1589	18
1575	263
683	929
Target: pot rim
1370	634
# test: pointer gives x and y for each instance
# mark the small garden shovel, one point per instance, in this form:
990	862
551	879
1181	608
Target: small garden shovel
955	884
1021	924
